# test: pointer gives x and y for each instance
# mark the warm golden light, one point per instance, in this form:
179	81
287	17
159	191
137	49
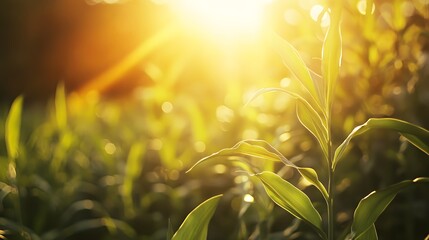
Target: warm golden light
223	17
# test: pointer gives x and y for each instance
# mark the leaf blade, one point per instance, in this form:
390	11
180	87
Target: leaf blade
296	65
373	205
313	123
13	127
195	225
331	55
370	234
413	133
291	199
263	150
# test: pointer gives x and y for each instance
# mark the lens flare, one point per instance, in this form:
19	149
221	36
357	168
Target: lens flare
223	17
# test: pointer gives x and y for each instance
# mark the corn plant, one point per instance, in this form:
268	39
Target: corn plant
314	101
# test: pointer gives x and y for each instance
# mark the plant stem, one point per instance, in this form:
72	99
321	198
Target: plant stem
331	182
331	221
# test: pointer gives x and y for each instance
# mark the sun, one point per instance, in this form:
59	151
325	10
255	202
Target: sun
224	18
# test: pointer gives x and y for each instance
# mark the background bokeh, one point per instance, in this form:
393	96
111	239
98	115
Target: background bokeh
147	94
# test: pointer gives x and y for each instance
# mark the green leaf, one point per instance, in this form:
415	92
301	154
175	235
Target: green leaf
371	207
263	150
111	225
13	127
314	124
314	111
61	106
290	198
133	169
296	65
15	229
416	135
370	234
331	55
195	225
307	115
308	173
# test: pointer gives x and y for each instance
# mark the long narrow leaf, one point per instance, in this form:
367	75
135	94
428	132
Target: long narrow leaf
308	173
263	150
314	125
314	111
195	225
331	54
373	205
296	65
16	230
133	169
13	127
370	234
416	135
290	198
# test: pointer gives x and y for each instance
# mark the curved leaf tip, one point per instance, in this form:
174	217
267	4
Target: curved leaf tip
195	225
416	135
373	205
291	199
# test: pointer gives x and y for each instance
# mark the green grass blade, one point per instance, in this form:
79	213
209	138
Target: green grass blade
297	66
373	205
370	234
416	135
316	112
14	230
61	106
314	124
195	225
290	198
13	128
308	173
331	55
133	169
263	150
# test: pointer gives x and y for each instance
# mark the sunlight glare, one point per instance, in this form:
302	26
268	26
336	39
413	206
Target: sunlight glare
362	8
223	17
248	198
315	12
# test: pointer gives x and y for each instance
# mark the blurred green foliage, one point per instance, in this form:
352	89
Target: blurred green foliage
90	167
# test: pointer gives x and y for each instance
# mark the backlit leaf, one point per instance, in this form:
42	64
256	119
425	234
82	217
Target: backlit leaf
263	150
314	124
296	65
371	207
307	173
13	128
313	111
195	225
416	135
290	198
133	169
370	234
331	55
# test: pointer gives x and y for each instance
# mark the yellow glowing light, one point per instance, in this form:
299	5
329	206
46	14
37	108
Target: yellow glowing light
199	146
248	198
316	12
223	17
219	168
110	148
362	8
167	107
